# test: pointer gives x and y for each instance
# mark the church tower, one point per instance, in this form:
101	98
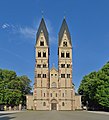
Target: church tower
41	84
65	66
65	56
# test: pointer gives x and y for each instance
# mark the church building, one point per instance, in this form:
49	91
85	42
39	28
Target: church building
53	88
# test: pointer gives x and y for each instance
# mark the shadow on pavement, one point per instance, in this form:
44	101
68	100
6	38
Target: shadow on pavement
1	114
6	118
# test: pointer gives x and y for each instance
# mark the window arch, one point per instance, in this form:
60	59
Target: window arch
39	53
41	43
67	54
44	54
63	104
65	44
53	84
44	103
62	54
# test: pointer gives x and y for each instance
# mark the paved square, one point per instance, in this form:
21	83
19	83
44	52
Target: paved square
53	115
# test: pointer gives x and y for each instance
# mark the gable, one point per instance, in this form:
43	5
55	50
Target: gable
65	42
41	39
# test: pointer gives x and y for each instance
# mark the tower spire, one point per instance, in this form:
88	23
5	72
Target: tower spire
64	27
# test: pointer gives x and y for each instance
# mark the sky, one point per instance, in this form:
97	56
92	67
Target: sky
88	22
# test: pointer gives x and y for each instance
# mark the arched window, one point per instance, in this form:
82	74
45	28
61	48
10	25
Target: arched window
67	54
53	85
44	94
41	43
62	54
39	54
65	44
63	95
44	65
63	104
44	54
44	103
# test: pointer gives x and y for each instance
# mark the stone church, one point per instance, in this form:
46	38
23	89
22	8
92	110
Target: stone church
53	88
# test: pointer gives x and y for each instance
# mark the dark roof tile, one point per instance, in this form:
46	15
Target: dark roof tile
64	27
42	27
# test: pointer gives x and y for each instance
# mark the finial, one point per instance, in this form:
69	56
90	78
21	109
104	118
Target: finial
42	14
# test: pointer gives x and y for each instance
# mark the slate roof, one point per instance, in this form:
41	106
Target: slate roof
64	27
42	27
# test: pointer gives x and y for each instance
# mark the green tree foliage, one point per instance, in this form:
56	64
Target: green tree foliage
13	88
94	89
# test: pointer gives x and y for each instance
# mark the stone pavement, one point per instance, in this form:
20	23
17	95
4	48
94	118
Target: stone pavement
53	115
99	112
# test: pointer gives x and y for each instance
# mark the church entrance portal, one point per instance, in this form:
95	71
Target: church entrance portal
53	105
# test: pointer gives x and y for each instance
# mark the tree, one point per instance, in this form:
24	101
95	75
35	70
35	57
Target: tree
13	88
25	87
94	89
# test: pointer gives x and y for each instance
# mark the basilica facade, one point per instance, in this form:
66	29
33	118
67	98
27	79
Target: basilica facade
53	88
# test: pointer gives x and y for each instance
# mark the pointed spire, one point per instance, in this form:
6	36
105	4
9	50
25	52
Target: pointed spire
42	28
64	27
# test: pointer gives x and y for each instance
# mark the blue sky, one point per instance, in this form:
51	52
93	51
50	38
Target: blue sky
88	22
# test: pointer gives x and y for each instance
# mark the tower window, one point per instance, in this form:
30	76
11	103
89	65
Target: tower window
62	54
51	94
41	43
39	54
44	75
56	94
44	94
39	75
62	75
68	75
63	95
44	103
68	65
38	66
62	65
44	54
55	74
44	65
67	55
65	44
51	75
63	104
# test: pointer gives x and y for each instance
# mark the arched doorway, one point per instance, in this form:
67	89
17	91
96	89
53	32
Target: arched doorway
53	104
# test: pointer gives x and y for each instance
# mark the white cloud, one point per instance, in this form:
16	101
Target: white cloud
4	26
27	32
